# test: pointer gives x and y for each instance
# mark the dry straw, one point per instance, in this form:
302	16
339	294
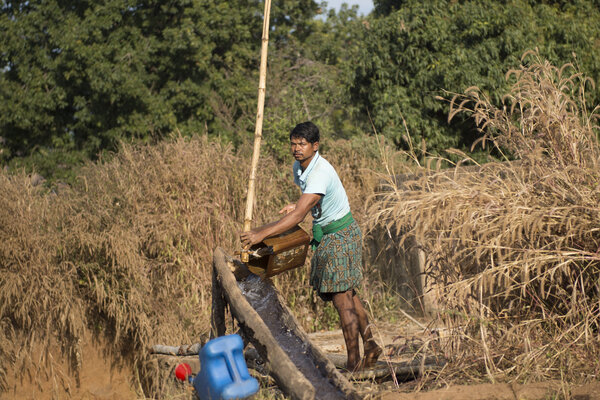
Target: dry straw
512	246
125	255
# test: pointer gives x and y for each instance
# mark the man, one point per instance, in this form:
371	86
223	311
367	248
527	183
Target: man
336	268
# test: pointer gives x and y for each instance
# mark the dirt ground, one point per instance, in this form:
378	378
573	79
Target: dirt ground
102	381
533	391
99	378
397	341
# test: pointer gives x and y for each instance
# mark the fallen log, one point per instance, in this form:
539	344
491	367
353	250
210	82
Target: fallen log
382	369
182	350
325	381
403	370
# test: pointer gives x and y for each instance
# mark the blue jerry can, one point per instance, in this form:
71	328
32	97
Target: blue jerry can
223	373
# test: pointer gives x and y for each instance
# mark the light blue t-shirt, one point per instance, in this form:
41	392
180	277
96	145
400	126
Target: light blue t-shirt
320	178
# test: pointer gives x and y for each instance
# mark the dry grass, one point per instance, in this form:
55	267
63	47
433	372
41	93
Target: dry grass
127	252
29	268
512	247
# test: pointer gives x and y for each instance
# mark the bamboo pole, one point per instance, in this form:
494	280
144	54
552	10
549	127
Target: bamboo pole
259	123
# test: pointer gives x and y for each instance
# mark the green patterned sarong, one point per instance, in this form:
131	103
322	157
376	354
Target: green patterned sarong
336	265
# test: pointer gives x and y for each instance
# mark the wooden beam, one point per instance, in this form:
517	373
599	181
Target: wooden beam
287	376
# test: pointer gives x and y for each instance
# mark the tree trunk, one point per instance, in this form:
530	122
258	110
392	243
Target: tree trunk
287	374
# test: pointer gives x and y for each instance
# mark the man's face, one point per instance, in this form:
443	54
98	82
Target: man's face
302	150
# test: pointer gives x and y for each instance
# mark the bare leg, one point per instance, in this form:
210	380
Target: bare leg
372	350
344	305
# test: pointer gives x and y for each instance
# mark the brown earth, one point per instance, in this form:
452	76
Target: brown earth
401	335
100	380
500	391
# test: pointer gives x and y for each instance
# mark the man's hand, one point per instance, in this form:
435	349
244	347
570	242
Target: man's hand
295	213
251	237
288	209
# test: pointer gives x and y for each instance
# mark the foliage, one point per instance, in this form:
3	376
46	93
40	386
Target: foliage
307	81
413	51
385	7
301	90
512	247
78	77
83	75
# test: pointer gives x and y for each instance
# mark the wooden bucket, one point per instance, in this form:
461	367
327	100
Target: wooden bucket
279	253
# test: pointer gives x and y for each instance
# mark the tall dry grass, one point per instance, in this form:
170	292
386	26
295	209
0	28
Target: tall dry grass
35	288
513	247
126	253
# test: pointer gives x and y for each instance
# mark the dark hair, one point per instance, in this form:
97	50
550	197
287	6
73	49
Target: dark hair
306	130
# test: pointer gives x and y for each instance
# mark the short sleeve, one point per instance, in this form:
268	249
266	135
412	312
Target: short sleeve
317	182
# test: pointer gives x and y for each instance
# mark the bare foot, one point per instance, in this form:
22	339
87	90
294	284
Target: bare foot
353	367
371	356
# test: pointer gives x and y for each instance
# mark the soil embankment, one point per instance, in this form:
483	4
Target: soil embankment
102	376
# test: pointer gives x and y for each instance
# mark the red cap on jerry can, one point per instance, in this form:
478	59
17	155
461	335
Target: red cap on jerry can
182	371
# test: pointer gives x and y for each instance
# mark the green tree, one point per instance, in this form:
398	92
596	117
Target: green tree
82	75
308	79
420	50
384	7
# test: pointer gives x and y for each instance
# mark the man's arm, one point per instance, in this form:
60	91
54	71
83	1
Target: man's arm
293	218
